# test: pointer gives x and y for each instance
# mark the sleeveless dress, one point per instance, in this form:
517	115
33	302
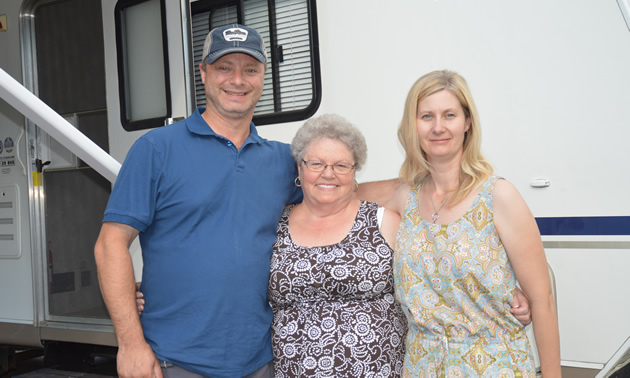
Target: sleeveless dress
455	284
334	312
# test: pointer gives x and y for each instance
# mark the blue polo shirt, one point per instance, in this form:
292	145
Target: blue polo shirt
207	215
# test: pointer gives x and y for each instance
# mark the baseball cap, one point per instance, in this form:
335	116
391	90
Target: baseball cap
234	38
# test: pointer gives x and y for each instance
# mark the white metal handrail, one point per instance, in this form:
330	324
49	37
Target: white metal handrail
56	126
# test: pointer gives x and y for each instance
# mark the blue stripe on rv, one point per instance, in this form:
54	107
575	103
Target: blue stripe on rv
584	226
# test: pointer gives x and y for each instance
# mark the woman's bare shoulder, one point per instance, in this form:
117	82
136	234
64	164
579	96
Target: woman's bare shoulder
398	200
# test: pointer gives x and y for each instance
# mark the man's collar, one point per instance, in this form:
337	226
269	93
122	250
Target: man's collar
197	125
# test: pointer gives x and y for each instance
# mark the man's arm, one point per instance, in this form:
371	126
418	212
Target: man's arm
117	282
378	191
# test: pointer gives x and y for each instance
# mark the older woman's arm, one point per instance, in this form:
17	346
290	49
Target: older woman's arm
519	233
389	226
378	191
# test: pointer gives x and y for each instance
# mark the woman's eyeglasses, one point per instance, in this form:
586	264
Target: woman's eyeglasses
338	168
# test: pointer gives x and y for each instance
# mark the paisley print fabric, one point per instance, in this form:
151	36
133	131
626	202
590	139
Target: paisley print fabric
334	313
455	284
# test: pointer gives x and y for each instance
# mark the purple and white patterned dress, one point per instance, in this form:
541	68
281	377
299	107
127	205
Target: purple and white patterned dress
333	306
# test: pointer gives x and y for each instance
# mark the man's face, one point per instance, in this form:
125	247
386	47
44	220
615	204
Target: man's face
233	85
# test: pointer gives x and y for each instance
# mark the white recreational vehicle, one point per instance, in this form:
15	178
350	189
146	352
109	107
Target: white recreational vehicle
81	80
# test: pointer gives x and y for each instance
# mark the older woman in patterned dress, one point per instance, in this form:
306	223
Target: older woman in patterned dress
331	285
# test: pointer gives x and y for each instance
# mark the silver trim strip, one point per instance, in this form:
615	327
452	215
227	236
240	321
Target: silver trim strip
20	335
99	335
586	244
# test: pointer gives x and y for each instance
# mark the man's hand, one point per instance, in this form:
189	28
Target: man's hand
138	361
520	308
139	298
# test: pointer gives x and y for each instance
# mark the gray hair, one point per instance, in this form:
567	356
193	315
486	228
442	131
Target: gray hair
330	126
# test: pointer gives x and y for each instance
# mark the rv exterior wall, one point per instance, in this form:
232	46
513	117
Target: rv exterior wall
550	80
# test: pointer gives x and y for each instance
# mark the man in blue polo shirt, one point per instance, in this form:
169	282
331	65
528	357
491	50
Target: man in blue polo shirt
204	195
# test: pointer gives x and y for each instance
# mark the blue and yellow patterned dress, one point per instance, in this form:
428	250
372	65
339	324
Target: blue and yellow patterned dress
455	284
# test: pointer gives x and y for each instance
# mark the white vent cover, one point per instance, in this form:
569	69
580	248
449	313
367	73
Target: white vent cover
10	245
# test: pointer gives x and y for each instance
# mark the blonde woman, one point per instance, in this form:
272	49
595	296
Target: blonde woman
465	239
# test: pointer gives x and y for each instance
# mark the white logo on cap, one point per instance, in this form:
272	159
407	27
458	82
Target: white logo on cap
235	34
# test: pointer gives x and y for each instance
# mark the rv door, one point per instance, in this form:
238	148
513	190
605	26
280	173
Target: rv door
111	69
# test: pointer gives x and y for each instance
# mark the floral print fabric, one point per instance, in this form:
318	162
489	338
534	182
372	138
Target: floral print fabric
334	308
455	284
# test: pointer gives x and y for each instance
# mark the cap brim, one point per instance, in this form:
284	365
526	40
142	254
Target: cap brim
259	57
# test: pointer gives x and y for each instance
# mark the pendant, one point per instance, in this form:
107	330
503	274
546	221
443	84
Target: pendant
435	216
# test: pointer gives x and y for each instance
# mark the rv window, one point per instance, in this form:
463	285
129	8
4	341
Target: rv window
144	88
292	89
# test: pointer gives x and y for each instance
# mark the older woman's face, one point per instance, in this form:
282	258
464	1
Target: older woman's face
327	187
441	124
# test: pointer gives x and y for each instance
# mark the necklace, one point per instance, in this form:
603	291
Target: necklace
435	216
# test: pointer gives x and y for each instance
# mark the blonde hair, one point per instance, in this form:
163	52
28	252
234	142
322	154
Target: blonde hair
475	169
